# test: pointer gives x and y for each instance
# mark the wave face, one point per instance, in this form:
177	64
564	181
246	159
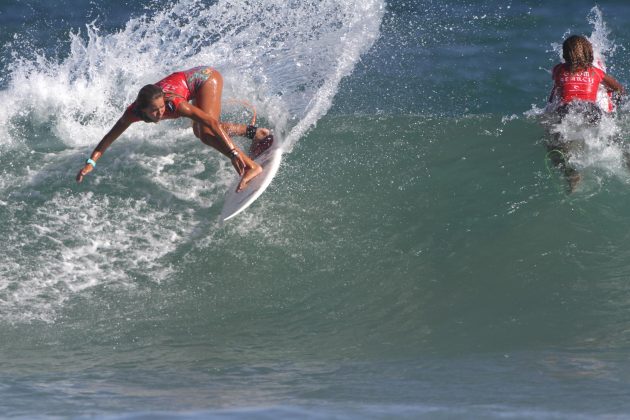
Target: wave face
416	256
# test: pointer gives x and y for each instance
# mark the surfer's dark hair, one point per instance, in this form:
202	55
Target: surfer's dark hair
577	52
148	94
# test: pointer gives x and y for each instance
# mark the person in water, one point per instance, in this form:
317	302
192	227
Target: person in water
168	99
576	83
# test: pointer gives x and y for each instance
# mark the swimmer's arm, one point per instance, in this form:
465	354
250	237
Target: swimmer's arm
116	131
612	84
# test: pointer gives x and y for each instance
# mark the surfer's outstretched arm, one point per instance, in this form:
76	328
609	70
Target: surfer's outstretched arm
116	131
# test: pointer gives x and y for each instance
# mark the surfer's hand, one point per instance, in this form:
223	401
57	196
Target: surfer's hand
84	171
238	162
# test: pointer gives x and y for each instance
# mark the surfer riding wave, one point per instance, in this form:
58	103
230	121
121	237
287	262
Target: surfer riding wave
169	99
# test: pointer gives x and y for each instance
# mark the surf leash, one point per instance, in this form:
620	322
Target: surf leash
548	158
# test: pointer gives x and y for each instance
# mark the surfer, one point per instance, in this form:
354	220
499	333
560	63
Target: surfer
168	99
576	83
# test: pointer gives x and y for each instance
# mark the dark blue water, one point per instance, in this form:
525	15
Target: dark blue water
415	257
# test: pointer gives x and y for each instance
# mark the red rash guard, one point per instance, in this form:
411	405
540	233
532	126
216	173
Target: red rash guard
581	85
181	86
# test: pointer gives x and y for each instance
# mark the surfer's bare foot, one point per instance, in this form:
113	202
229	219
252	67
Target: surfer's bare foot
261	133
261	142
250	173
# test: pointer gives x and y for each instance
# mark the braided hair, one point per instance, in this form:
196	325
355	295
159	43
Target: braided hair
577	52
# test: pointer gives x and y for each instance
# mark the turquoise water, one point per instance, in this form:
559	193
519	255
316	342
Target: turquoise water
415	257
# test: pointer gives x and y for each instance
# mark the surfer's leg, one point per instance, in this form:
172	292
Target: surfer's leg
209	100
573	178
557	153
262	139
241	130
559	148
231	129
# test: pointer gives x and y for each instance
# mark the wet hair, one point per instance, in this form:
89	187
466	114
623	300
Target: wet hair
577	52
146	95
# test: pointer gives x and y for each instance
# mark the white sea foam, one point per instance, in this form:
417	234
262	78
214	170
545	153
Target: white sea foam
73	242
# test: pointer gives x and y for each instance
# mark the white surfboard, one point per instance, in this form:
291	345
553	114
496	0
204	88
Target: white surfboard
604	98
236	202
